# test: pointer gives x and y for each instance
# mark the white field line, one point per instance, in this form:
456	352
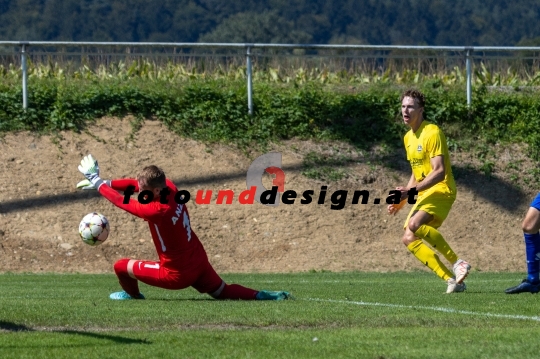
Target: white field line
368	281
436	309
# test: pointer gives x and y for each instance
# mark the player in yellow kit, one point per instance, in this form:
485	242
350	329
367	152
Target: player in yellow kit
432	177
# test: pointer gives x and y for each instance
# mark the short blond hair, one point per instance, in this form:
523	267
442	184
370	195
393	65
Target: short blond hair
152	176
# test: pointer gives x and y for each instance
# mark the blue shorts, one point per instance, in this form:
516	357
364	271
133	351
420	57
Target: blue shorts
536	202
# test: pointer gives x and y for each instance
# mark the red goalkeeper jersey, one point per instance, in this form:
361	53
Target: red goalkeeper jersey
177	245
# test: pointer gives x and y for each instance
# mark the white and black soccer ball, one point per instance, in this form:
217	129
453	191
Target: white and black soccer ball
94	229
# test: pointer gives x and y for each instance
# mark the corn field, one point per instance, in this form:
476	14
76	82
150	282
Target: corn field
298	67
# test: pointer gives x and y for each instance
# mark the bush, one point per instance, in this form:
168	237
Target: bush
216	111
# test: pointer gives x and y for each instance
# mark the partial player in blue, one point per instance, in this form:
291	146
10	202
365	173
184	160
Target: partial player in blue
531	226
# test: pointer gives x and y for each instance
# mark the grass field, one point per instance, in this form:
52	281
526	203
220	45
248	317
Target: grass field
356	315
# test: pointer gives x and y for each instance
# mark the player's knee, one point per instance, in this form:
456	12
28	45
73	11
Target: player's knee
217	293
120	267
529	228
531	222
413	225
408	237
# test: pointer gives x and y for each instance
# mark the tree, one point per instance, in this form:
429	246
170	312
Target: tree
266	27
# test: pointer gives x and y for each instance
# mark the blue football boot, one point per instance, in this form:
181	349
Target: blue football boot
124	296
268	295
524	287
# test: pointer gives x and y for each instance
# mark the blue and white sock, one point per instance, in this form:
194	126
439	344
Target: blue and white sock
532	250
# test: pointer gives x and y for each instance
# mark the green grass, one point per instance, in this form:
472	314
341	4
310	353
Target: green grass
357	315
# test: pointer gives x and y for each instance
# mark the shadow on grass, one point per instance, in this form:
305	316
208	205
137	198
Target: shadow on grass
115	338
13	327
209	299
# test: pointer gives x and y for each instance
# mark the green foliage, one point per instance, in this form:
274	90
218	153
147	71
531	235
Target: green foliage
215	110
285	71
267	27
460	22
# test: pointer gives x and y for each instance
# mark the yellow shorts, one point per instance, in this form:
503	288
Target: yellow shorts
434	202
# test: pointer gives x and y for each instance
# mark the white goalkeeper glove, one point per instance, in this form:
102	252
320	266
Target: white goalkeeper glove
87	185
90	169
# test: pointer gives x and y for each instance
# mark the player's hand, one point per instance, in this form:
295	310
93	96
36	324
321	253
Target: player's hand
87	185
89	165
90	169
404	192
394	208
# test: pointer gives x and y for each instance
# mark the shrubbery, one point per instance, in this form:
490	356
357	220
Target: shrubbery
216	110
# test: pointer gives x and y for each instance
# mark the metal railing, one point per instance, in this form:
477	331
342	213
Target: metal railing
466	50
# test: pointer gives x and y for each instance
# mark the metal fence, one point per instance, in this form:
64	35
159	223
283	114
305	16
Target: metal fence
465	52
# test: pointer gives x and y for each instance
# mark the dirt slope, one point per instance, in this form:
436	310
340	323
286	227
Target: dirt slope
40	208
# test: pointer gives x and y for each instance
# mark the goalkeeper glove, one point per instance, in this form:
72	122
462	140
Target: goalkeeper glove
90	169
87	185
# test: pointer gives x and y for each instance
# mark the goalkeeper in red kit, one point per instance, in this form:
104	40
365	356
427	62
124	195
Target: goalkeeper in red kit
182	259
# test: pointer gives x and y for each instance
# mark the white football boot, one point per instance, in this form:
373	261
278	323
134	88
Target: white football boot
454	286
461	270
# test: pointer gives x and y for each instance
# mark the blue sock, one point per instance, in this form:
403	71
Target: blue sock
532	250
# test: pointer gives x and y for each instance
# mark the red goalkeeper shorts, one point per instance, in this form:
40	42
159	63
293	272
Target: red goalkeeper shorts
203	278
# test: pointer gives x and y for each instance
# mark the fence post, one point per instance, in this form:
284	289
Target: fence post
249	81
24	76
469	74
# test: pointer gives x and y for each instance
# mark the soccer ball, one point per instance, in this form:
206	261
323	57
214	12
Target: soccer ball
94	229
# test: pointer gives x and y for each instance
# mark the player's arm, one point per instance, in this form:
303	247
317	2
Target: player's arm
90	169
437	174
436	149
412	182
122	184
87	185
394	208
145	211
117	184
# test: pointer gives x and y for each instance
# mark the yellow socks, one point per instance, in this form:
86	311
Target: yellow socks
429	258
436	240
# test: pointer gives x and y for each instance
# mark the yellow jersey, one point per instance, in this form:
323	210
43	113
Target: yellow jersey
428	142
